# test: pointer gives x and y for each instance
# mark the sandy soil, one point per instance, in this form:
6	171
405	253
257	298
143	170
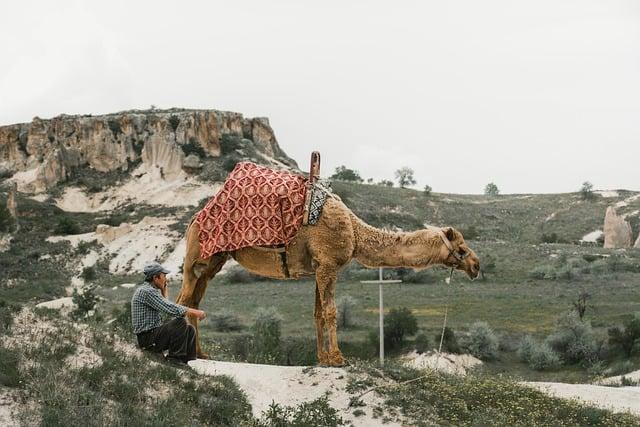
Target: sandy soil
292	385
145	186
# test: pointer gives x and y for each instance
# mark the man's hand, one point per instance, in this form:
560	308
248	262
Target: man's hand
199	314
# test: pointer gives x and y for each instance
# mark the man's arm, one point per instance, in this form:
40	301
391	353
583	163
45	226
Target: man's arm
161	304
156	301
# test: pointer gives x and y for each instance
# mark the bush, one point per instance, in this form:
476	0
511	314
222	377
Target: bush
343	173
483	342
427	190
7	222
315	413
542	272
9	369
67	225
266	335
538	356
346	307
84	247
449	341
398	324
88	273
491	189
421	343
628	338
226	321
599	267
573	339
85	302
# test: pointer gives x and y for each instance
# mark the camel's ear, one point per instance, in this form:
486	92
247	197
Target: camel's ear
448	231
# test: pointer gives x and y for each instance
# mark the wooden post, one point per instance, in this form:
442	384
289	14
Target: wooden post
381	318
314	170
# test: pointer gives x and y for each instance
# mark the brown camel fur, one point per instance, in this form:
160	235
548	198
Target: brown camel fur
323	249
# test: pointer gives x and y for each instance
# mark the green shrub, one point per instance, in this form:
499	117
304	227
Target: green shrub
85	302
226	320
343	173
483	342
174	121
7	223
67	225
542	272
346	308
266	335
9	370
84	247
88	273
399	324
628	338
538	356
573	339
7	311
449	341
315	413
421	343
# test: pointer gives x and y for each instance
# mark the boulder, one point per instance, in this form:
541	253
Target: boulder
192	163
617	231
108	233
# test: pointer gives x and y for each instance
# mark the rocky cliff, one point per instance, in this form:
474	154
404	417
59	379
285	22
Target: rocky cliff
44	152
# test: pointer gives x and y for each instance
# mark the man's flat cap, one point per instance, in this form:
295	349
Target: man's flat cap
153	268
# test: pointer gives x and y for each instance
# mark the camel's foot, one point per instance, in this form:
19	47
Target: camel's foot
335	358
202	355
323	358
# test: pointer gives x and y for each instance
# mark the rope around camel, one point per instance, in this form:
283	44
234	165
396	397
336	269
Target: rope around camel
444	325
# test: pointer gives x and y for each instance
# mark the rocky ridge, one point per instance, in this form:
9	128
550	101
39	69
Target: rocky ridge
40	154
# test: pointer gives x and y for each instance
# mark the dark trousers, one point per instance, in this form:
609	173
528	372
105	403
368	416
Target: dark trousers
176	335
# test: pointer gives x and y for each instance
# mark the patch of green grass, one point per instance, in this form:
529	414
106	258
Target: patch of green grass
440	399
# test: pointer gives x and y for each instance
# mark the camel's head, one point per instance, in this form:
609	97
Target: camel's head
457	254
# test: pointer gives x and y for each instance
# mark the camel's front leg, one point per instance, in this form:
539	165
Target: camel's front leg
319	320
326	282
192	299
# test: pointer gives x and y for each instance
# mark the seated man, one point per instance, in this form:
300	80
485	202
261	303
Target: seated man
176	335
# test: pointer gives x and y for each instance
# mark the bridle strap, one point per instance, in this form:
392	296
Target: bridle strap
449	246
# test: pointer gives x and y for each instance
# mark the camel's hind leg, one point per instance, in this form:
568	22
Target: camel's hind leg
193	291
326	283
319	319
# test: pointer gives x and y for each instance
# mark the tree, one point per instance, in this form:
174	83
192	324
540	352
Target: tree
491	189
404	176
427	190
586	192
343	173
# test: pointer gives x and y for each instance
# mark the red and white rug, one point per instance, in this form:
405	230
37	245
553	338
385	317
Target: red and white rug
256	206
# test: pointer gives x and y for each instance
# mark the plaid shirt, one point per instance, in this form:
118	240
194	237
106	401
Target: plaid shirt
146	305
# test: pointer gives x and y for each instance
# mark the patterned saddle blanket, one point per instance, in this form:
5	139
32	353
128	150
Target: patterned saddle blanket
258	206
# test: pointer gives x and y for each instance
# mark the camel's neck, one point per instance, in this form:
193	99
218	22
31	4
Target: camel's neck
380	248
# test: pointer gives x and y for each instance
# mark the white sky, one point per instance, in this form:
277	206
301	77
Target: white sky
535	96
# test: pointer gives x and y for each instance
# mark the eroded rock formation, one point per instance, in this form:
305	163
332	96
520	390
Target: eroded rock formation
45	152
617	231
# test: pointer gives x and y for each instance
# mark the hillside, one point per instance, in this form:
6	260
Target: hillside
98	196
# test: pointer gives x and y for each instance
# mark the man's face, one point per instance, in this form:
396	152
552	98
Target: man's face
160	280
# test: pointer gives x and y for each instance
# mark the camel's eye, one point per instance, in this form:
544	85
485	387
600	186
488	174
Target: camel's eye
461	251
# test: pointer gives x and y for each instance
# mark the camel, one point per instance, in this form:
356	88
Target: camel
322	250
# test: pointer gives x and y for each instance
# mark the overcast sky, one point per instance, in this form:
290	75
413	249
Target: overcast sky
535	96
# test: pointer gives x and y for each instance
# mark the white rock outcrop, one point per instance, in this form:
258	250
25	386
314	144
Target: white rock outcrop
617	231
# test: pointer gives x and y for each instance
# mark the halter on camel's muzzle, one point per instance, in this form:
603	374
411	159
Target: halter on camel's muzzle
452	251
